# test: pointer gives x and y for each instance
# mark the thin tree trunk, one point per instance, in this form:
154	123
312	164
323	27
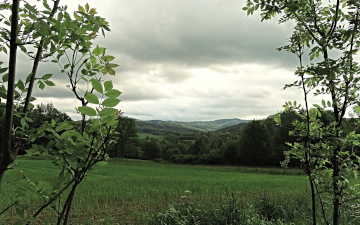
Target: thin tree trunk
6	153
37	61
63	217
67	213
336	194
307	144
32	76
313	200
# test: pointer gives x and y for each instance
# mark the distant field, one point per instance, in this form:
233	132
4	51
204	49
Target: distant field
145	135
125	191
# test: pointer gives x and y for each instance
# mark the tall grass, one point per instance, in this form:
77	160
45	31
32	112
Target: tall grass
229	212
129	191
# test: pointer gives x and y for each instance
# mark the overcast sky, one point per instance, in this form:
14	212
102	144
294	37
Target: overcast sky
190	60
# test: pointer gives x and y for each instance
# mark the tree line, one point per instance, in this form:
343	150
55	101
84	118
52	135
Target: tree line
256	143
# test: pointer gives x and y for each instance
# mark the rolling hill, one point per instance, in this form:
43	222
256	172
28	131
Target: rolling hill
160	127
213	125
235	129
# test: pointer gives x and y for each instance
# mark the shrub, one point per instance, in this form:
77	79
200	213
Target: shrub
230	213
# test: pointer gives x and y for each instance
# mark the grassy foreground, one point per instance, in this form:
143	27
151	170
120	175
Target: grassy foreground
128	191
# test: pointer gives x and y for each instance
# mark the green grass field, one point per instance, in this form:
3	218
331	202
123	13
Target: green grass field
126	191
145	135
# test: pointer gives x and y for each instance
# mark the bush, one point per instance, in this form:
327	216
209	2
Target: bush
230	213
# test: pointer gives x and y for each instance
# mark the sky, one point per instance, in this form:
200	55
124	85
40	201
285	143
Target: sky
189	60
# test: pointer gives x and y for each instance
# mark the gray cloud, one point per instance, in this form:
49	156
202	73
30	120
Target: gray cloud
59	91
140	94
195	33
187	60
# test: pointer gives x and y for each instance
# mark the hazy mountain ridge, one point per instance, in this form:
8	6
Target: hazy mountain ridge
161	127
237	128
213	125
157	127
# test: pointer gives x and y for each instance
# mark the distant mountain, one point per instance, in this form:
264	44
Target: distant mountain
233	129
214	125
159	127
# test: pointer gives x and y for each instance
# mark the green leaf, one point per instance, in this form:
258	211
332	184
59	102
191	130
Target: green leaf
23	48
329	104
69	133
49	83
113	93
92	11
64	126
46	5
81	9
86	110
3	70
5	77
3	92
108	58
47	76
98	51
108	112
41	85
66	66
110	102
97	85
91	98
108	85
112	65
20	85
357	109
323	103
111	71
24	123
87	7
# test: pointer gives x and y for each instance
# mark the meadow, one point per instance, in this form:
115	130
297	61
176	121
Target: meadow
130	191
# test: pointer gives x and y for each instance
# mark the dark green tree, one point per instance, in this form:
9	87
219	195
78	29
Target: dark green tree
200	146
126	133
151	149
254	145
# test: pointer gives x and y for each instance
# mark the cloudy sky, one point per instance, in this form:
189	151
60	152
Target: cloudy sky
191	60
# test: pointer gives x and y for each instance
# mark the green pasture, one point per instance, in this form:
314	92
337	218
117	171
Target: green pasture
127	191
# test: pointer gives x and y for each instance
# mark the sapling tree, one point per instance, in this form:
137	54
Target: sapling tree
30	29
39	33
67	40
329	32
76	148
297	46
